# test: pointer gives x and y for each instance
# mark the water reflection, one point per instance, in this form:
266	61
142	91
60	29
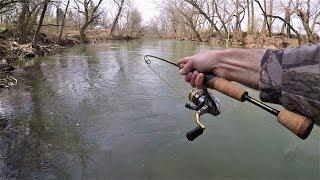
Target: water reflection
37	141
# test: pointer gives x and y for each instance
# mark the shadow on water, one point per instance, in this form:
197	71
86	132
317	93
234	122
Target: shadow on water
98	112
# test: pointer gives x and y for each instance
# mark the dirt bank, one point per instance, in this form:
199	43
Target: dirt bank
11	51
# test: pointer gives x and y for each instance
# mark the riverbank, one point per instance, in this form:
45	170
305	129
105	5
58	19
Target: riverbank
11	51
258	41
244	40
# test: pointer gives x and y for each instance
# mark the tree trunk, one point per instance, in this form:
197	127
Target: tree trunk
305	24
90	11
35	37
82	32
264	25
305	19
287	21
22	21
249	18
265	15
31	18
270	20
238	27
63	21
252	25
116	19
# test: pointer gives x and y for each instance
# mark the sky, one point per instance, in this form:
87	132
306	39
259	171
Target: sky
148	8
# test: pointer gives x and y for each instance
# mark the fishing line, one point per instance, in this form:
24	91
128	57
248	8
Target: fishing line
148	62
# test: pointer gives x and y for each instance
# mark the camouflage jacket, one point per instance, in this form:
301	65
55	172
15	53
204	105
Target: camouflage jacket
291	77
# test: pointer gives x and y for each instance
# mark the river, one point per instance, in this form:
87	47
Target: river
98	112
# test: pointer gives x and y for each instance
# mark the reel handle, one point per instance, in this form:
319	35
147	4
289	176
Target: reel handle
297	124
194	133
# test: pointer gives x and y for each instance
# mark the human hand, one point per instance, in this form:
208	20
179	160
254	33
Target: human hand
192	66
240	65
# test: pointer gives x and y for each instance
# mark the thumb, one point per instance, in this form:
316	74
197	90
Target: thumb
189	67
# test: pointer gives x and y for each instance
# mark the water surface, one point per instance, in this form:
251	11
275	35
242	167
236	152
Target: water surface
98	112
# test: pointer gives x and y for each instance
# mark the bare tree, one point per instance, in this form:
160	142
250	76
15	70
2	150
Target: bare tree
270	19
27	17
249	17
252	19
197	6
266	27
187	15
120	4
160	26
265	18
63	20
199	20
36	35
288	11
278	17
90	11
59	12
308	17
239	10
224	15
133	24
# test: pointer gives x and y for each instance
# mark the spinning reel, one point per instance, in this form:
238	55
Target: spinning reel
204	103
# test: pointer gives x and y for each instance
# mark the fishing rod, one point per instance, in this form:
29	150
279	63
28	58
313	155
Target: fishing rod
204	103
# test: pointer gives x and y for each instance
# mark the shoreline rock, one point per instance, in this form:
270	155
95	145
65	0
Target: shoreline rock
11	52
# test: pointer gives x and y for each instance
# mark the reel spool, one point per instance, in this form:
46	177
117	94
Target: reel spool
204	103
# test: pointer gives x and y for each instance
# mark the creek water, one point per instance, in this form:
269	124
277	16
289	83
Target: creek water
98	112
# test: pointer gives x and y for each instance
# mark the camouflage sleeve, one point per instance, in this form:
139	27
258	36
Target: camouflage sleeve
291	77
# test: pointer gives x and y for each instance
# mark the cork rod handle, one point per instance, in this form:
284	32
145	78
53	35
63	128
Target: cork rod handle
297	124
226	87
